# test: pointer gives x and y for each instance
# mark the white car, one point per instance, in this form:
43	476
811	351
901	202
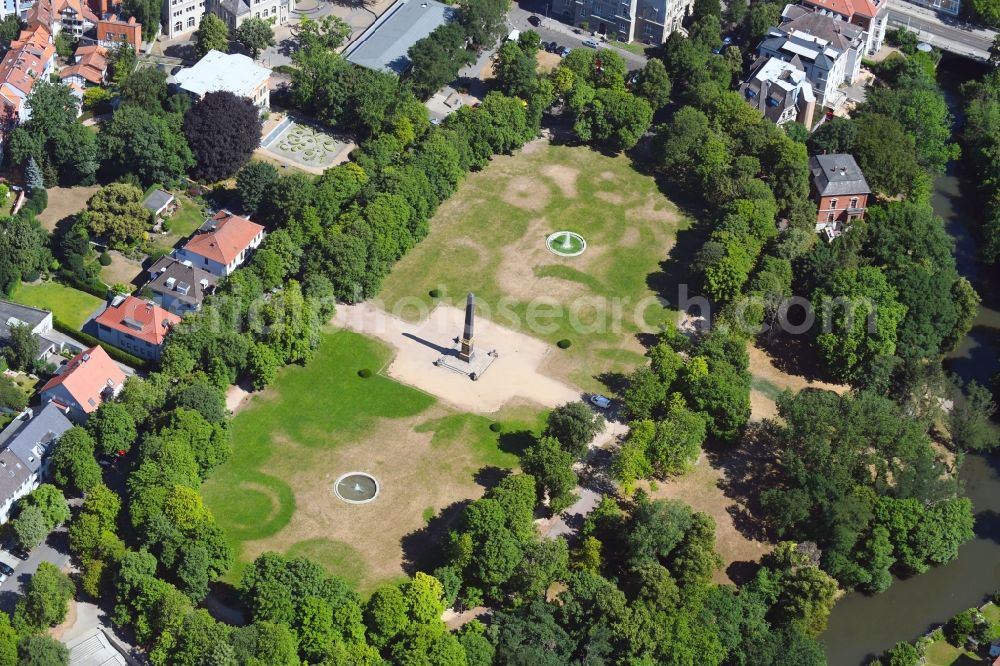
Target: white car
599	401
592	43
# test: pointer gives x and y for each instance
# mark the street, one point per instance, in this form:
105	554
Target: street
552	30
54	549
942	31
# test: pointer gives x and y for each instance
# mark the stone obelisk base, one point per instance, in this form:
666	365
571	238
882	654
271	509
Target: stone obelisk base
477	363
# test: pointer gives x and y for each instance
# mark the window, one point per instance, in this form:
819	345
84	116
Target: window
256	14
829	217
190	21
854	202
833	204
178	26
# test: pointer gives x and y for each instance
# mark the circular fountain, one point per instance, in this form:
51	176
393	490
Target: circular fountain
566	244
356	487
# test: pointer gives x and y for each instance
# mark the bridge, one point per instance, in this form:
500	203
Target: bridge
942	31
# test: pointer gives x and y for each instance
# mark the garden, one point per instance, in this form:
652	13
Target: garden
306	145
70	306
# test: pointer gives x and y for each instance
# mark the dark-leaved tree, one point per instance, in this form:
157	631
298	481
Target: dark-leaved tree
222	130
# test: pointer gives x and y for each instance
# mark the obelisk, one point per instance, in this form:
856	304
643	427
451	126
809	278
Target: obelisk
465	353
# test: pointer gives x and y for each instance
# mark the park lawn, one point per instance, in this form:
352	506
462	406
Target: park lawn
68	305
489	238
943	653
319	421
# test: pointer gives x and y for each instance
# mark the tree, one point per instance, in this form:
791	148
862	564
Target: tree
116	212
574	425
971	428
885	153
22	347
147	89
329	32
253	182
255	35
483	20
30	527
146	12
515	70
654	84
46	598
73	463
11	395
33	176
858	317
262	365
113	428
212	35
42	650
222	131
436	59
52	503
552	468
140	142
995	48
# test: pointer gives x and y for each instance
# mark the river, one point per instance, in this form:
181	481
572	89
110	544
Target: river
862	627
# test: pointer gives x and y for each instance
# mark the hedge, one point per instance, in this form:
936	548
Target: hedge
91	341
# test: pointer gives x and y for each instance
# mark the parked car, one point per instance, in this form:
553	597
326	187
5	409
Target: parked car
6	569
564	51
19	553
591	43
600	401
726	41
551	47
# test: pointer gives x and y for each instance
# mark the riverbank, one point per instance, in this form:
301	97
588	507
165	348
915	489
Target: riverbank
863	627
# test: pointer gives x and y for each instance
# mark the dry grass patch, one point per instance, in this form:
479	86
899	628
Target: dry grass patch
63	202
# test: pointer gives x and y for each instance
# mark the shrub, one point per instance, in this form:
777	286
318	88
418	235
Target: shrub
434	293
564	343
364	373
104	259
496	427
31	276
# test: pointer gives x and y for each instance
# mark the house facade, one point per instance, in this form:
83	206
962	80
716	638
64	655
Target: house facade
781	91
25	445
71	16
828	50
235	12
136	326
113	31
222	243
82	384
179	287
230	72
647	21
840	191
90	65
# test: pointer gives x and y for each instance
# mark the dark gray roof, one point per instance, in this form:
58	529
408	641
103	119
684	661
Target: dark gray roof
183	274
157	199
13	474
31	438
12	313
840	34
836	175
385	43
235	7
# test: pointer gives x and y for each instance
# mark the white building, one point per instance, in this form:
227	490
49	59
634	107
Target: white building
235	12
25	446
222	243
230	72
781	91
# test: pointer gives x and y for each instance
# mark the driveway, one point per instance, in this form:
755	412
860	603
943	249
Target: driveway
54	549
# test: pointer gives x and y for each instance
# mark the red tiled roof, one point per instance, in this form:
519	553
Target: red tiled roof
232	235
91	64
86	377
27	58
141	319
47	12
848	8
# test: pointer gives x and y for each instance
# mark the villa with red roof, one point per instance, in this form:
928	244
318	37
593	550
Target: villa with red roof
136	326
222	243
81	385
72	16
89	67
31	58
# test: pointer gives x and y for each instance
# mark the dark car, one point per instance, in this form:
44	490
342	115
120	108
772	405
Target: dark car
534	20
551	47
19	553
5	569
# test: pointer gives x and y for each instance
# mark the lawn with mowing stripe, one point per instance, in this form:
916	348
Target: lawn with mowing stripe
67	304
321	420
490	238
